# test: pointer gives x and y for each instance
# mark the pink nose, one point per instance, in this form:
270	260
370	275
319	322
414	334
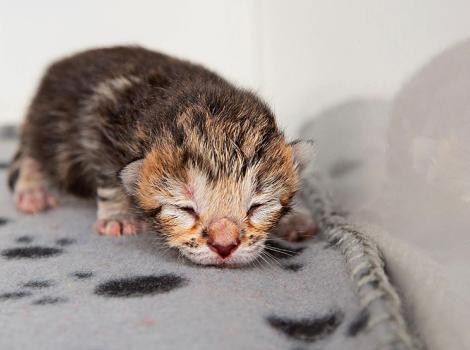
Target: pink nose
223	237
223	251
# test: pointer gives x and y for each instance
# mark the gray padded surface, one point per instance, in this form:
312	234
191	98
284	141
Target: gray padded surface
305	301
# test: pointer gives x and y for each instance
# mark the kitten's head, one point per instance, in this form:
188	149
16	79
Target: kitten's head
216	191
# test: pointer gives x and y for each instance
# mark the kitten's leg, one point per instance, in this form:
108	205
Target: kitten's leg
114	213
297	225
29	185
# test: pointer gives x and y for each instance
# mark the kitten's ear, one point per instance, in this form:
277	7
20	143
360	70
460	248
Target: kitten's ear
303	153
130	174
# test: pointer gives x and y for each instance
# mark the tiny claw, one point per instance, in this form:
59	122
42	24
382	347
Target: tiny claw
118	227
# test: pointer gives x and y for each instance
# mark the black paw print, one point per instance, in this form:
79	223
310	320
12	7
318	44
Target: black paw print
35	251
28	251
307	329
134	286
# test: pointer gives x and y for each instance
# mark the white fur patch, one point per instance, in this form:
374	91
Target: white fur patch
183	218
130	174
107	89
108	193
265	211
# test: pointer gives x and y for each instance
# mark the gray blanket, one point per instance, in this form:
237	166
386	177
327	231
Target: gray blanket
64	287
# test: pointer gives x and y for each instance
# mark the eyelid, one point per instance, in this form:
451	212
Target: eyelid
189	210
253	207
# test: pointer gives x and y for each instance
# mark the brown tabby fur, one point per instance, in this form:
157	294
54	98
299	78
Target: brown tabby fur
100	110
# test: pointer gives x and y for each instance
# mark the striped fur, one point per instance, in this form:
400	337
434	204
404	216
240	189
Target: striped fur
190	147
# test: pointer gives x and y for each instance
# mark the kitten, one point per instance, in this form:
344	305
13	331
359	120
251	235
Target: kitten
165	142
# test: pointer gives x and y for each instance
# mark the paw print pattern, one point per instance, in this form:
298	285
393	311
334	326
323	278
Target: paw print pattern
28	289
140	285
82	275
38	284
47	300
34	252
37	251
14	295
134	286
307	329
24	239
63	242
27	251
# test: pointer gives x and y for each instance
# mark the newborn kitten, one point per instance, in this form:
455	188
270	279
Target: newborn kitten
163	141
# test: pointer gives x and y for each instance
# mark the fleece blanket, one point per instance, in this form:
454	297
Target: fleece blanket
401	169
63	286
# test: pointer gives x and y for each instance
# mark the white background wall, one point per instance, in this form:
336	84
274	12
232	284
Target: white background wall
301	55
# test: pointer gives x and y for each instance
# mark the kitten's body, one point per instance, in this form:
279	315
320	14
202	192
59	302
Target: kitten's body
98	111
190	145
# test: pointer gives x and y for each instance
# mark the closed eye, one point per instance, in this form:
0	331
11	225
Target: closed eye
189	210
253	208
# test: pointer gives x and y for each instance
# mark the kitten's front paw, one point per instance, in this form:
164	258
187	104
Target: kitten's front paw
34	200
297	226
117	226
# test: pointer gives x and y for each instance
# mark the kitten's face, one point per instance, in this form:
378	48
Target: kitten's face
216	218
216	182
220	222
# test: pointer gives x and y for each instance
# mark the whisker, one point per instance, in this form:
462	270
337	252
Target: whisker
258	262
287	253
270	256
279	249
276	245
274	240
252	263
263	258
